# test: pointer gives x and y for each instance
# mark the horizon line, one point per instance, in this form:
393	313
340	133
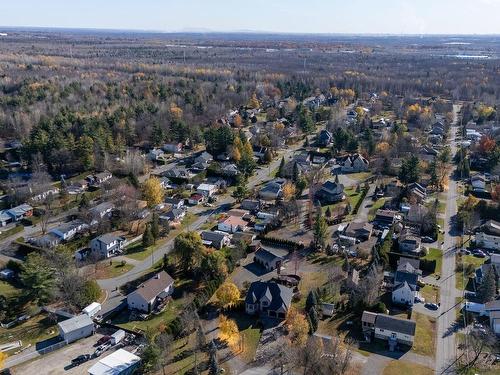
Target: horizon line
248	32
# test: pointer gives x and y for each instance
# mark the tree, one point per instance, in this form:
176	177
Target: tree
84	202
151	357
281	169
213	365
39	278
313	320
473	347
241	191
229	331
486	144
213	264
91	292
85	149
237	121
488	288
320	231
253	102
297	327
147	237
328	212
155	227
300	185
288	191
188	248
268	156
410	170
228	294
153	191
3	358
311	301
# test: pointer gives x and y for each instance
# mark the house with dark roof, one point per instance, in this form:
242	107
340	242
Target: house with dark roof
488	235
20	212
252	205
150	293
107	245
175	214
215	239
405	288
330	192
272	190
478	182
360	231
353	163
385	327
417	191
269	258
175	202
385	218
409	242
325	138
268	299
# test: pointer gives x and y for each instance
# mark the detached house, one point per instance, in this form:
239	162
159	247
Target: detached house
270	259
150	293
232	224
330	192
107	245
272	190
268	299
409	242
405	283
172	148
215	239
325	138
385	327
67	231
417	191
353	163
488	235
20	212
478	183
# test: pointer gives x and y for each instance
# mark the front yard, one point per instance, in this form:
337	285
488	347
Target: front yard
468	261
406	368
108	270
425	338
437	256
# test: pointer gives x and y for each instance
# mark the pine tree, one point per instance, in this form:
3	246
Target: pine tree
328	212
84	202
296	173
313	320
487	289
281	168
147	237
155	228
311	300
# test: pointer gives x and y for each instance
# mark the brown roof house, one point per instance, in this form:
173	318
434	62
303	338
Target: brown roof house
152	292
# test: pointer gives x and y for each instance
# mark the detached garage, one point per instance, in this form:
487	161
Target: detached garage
76	328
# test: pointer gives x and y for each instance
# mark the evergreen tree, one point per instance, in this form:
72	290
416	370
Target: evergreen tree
281	168
213	368
320	231
155	228
328	212
147	237
311	300
410	170
84	202
313	320
296	173
487	289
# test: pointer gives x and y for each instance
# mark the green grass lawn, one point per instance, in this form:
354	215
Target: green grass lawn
137	251
407	368
250	338
115	269
430	293
373	209
11	231
36	329
425	338
360	176
437	255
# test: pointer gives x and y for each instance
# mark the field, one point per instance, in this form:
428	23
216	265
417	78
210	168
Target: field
425	338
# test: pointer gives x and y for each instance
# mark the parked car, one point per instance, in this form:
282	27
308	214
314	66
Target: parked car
102	340
80	359
431	306
479	254
427	239
101	349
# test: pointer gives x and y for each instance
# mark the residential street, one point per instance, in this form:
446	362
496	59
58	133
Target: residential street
446	348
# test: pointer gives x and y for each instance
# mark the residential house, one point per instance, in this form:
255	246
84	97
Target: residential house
207	190
46	193
492	309
156	154
178	173
175	202
478	183
5	218
268	299
229	169
481	271
330	192
120	362
67	231
272	190
175	214
270	258
417	192
409	242
215	239
360	231
385	327
165	183
204	158
417	213
325	138
232	224
385	218
353	163
196	199
252	205
20	212
405	284
488	235
150	293
47	241
107	245
102	177
101	211
172	148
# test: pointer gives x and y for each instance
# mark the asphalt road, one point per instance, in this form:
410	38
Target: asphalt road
446	348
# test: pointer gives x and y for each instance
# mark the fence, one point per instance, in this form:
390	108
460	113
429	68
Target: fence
53	347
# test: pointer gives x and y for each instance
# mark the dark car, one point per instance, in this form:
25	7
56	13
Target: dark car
102	340
431	306
427	239
80	359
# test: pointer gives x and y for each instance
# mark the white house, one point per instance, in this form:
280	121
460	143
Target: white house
232	224
41	196
206	190
106	245
488	235
403	294
67	231
147	295
354	163
76	328
386	327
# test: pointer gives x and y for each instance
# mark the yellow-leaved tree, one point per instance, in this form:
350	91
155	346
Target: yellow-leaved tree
253	102
288	191
228	331
175	112
297	327
3	358
228	294
153	191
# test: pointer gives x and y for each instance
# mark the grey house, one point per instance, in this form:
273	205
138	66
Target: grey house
270	259
107	244
76	328
268	299
330	192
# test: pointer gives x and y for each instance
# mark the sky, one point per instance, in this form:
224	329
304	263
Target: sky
283	16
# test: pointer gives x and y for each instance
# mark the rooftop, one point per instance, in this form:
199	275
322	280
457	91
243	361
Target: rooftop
75	323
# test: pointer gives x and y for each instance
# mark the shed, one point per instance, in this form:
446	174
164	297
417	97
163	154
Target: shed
76	328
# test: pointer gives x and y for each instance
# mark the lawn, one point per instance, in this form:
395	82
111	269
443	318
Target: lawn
36	329
250	338
425	338
137	251
181	359
116	268
361	176
407	368
310	281
440	222
430	293
11	231
437	255
375	206
467	259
